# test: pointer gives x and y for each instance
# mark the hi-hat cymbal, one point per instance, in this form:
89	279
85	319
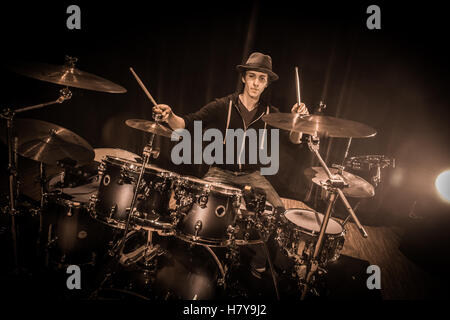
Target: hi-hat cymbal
319	125
47	142
150	126
67	76
357	186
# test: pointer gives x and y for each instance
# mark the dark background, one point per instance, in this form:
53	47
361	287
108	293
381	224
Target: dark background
393	79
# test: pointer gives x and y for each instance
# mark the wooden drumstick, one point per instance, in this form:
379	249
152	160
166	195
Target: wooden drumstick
297	83
143	87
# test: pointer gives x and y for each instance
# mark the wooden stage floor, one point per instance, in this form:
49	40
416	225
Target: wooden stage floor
401	278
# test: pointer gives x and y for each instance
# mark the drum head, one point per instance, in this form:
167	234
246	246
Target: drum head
79	193
102	153
136	166
311	221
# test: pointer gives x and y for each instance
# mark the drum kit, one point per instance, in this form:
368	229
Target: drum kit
170	235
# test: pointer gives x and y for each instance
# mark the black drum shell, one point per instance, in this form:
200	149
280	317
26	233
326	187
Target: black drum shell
72	235
117	187
214	218
182	271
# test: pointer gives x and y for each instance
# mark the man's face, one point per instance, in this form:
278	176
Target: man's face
255	83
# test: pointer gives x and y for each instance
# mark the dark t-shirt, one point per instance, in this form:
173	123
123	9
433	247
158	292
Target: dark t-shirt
247	115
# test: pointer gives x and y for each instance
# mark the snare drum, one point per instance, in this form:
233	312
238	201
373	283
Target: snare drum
208	210
118	178
300	231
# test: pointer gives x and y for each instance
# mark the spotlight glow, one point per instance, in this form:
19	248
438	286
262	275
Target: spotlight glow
442	184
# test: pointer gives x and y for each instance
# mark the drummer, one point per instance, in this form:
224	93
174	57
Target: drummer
231	112
245	107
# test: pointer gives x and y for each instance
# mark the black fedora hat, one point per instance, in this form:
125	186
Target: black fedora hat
259	62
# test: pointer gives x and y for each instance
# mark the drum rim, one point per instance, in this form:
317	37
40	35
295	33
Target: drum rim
114	223
57	199
153	224
214	186
202	240
309	231
149	167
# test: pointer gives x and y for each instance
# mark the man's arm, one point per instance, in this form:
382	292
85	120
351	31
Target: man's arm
174	121
206	114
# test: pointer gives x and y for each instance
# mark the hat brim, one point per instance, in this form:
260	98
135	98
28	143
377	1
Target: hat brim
272	75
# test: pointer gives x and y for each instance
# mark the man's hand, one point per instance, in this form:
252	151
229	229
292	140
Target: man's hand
301	109
167	115
296	137
164	110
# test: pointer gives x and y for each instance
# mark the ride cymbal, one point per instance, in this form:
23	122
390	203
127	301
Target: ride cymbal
319	125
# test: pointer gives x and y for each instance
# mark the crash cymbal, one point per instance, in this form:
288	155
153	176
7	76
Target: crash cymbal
149	126
357	186
66	75
319	125
47	142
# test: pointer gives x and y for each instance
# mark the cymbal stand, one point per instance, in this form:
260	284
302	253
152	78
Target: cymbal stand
147	153
43	184
334	186
346	150
8	115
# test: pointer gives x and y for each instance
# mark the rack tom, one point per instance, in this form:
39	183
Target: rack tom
208	211
118	179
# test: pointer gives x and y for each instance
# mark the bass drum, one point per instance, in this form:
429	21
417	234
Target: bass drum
71	235
179	271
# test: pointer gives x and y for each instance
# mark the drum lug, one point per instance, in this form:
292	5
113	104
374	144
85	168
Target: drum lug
143	183
280	237
69	213
182	199
101	169
159	186
232	230
174	216
198	227
236	201
92	204
51	243
35	212
113	210
143	196
125	177
202	201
